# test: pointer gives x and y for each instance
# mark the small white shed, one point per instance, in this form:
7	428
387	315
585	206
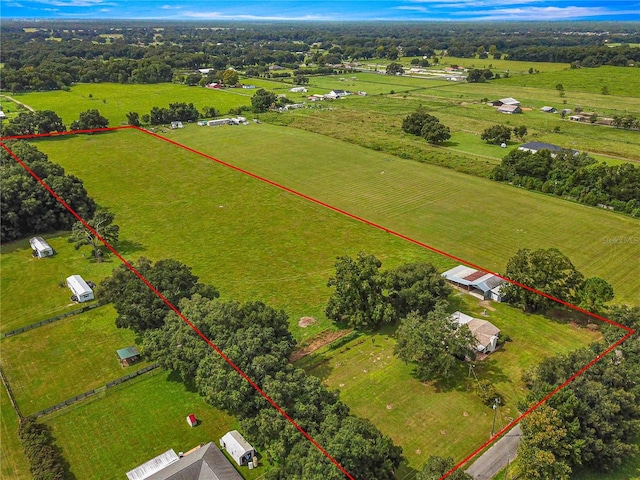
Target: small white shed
240	450
80	289
40	247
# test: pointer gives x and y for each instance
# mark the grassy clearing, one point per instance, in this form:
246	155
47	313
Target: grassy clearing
469	217
34	289
623	81
441	419
114	100
105	437
249	239
70	357
13	463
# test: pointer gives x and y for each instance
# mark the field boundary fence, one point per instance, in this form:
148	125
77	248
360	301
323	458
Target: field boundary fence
90	393
51	320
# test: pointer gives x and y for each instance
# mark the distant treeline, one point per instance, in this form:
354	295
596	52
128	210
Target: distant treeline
576	176
130	52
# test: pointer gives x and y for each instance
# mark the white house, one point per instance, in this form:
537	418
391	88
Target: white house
298	89
484	332
337	94
40	247
79	288
240	450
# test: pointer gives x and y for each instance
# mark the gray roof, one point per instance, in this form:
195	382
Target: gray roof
128	352
542	146
205	463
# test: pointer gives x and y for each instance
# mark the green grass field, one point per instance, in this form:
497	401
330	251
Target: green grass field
70	357
105	437
249	239
34	289
433	419
13	463
473	218
114	100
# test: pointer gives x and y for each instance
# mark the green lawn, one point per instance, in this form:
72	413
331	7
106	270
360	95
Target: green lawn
114	100
441	419
249	239
470	217
105	437
70	357
13	463
34	289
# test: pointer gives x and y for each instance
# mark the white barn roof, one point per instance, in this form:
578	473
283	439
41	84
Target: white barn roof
152	466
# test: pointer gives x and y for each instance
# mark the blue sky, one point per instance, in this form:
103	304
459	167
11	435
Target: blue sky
331	10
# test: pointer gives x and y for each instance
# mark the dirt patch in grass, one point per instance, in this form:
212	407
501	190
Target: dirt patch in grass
304	322
319	341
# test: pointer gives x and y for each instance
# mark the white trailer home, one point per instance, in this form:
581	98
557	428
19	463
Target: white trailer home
80	289
40	247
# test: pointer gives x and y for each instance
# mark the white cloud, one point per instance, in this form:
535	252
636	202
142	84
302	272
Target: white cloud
227	16
412	9
543	13
75	3
171	7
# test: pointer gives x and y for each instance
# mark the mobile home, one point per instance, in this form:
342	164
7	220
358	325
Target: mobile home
80	289
40	247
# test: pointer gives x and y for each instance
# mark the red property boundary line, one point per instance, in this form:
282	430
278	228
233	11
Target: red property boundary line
599	357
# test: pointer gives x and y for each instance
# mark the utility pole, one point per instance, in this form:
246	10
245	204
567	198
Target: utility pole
495	412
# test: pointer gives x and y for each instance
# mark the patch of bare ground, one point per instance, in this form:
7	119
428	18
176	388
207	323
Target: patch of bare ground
304	322
316	342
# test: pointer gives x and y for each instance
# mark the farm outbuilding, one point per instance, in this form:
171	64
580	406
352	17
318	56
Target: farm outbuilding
240	450
509	109
40	247
128	355
534	147
484	285
80	289
192	420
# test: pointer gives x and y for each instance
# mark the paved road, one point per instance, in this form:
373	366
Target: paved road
497	457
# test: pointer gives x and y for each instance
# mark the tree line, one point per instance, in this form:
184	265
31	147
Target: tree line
256	338
575	176
26	207
143	54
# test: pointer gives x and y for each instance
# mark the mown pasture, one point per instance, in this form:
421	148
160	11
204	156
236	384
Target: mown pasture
58	361
34	289
13	463
247	238
470	217
107	436
442	418
114	100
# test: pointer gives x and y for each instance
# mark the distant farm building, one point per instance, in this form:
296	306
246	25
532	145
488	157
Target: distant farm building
509	109
40	247
240	450
485	333
298	89
504	101
335	94
476	282
128	356
534	147
205	462
81	290
546	109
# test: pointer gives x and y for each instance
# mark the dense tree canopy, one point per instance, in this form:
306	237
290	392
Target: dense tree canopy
595	420
548	271
45	459
425	125
26	206
436	467
89	120
263	100
255	337
28	123
433	343
572	175
496	135
138	307
416	287
360	298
